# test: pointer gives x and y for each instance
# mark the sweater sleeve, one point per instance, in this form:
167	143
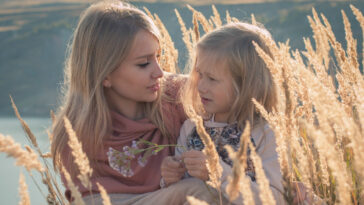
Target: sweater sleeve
266	149
182	139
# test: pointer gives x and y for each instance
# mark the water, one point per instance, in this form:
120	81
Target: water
9	173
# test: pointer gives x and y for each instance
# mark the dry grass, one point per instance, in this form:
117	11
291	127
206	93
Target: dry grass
318	124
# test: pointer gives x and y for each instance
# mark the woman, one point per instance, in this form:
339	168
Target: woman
116	94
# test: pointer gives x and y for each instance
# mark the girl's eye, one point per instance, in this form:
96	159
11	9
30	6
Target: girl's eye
143	65
211	78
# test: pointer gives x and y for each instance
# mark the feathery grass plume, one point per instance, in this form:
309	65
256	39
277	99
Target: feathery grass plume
206	25
351	43
265	192
360	18
104	196
80	157
321	40
216	17
23	191
317	65
53	116
47	179
239	182
337	48
319	58
234	19
213	163
254	22
193	201
50	136
28	159
73	188
325	138
195	27
24	125
169	51
169	55
228	18
335	163
185	34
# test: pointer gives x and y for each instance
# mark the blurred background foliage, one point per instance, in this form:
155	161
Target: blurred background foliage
34	37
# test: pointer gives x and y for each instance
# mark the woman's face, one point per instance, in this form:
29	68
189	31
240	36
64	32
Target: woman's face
136	80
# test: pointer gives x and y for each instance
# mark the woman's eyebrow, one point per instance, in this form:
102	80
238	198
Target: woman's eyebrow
144	56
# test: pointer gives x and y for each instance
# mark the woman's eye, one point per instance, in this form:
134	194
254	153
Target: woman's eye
143	65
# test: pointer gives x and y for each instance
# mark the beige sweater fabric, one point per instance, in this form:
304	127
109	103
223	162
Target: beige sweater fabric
265	143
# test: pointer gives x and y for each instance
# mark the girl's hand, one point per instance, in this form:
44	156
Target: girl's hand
172	169
195	163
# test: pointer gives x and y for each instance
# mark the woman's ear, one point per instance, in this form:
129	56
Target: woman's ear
106	83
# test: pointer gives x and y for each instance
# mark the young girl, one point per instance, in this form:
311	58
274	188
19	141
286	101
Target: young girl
226	75
116	94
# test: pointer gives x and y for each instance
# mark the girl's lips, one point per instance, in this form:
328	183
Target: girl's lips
205	100
154	87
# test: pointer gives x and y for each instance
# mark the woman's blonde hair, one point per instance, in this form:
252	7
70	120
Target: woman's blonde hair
232	44
101	41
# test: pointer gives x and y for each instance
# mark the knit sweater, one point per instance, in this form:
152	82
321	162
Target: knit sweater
144	178
265	146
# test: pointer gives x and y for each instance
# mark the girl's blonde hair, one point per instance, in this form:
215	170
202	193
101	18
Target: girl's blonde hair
233	45
101	41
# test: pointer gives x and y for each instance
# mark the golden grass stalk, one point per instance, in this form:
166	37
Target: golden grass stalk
254	22
206	25
216	17
104	196
73	188
351	50
213	163
28	159
80	157
195	27
228	17
265	192
193	201
24	125
169	56
185	34
239	165
23	191
359	16
46	177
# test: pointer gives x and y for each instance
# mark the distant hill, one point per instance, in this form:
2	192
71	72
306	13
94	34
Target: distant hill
33	40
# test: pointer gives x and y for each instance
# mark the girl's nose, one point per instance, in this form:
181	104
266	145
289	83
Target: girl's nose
201	86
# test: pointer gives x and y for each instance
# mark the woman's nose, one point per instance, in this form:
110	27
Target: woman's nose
157	72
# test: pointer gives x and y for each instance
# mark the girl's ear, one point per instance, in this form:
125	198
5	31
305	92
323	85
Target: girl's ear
106	82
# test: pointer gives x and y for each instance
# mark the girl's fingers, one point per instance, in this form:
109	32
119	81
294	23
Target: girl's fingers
189	161
201	174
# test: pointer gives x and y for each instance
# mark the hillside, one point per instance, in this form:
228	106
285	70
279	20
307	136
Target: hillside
34	37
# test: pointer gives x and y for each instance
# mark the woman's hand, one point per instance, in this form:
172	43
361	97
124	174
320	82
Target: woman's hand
195	163
172	169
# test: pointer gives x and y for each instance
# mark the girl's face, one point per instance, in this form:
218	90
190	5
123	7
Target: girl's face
214	87
136	80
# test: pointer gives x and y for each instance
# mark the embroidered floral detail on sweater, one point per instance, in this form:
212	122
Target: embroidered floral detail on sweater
221	136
